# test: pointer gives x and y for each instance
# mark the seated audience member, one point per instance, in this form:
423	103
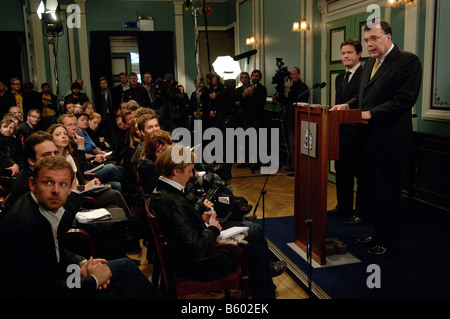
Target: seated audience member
37	146
88	107
10	150
119	130
34	253
94	131
146	124
76	97
122	149
17	112
31	125
193	235
90	147
69	108
110	173
17	134
50	106
104	198
77	109
155	142
134	138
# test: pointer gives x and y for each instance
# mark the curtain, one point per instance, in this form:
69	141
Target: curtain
11	56
99	61
156	53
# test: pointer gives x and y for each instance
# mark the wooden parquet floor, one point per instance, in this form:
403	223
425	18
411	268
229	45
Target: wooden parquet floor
278	202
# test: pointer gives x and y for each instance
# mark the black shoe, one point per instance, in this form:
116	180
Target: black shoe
365	240
351	220
277	267
335	212
378	251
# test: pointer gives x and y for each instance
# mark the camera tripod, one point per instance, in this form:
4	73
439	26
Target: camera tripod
286	127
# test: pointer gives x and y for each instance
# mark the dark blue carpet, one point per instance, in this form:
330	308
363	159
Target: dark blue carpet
419	269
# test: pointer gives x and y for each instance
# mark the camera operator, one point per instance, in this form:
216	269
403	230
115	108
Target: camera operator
206	189
297	88
193	236
168	103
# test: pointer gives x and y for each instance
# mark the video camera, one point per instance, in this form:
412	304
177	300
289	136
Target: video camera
162	85
206	186
281	75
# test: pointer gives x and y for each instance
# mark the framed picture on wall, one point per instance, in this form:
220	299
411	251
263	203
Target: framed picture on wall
337	36
436	93
365	54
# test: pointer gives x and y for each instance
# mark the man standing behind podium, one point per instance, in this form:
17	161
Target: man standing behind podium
348	165
390	84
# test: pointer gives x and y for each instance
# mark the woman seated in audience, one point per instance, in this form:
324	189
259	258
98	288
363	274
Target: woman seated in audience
104	198
92	150
132	139
10	149
88	107
154	144
94	131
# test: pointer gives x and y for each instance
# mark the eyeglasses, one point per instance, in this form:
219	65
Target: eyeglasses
16	83
373	39
35	117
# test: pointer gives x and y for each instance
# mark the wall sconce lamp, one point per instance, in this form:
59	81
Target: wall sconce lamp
251	40
300	26
396	3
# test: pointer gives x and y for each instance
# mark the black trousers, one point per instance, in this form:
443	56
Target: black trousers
348	167
383	180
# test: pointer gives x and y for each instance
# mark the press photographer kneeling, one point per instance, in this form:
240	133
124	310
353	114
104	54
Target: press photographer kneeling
193	235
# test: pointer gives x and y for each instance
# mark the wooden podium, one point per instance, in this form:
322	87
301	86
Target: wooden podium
314	148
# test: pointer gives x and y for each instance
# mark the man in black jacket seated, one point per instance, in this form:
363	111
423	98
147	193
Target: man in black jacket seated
194	235
34	258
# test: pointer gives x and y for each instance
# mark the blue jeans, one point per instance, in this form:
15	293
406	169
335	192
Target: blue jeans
111	175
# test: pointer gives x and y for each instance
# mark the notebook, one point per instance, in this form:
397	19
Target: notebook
227	233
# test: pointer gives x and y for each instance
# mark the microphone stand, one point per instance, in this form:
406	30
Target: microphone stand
263	193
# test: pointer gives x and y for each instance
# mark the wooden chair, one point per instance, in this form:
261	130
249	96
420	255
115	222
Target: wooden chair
165	277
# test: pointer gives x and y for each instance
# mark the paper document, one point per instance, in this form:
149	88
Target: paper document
93	215
96	189
92	170
227	233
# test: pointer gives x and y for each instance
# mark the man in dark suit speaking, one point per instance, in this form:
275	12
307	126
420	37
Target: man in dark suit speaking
348	165
389	87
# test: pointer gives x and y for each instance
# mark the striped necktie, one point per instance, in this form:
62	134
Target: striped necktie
375	68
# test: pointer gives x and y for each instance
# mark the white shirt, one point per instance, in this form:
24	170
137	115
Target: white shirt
386	54
352	71
172	183
53	219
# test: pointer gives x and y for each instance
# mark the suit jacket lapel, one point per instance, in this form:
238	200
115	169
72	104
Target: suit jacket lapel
385	65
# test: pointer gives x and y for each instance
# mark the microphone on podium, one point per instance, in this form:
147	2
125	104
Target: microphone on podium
315	86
